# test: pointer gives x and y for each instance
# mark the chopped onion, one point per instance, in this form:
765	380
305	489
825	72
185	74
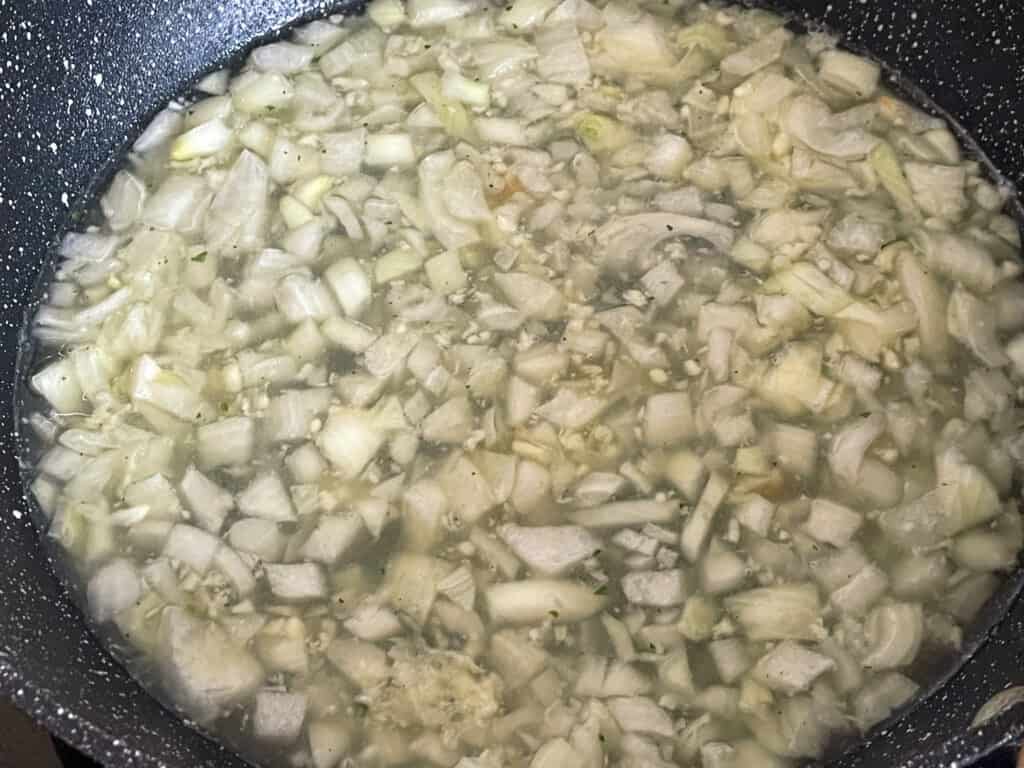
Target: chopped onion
296	583
113	588
854	74
536	600
350	439
202	141
784	612
550	550
697	527
267	498
206	672
791	668
562	58
227	442
259	537
539	354
192	546
210	504
621	514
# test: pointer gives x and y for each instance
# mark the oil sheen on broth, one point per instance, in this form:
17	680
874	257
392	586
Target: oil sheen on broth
550	385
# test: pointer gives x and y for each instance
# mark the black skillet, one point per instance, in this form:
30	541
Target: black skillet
79	78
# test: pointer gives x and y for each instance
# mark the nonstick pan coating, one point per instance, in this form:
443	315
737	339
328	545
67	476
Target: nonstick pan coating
79	78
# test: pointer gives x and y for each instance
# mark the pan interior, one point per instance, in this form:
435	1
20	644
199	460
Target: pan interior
936	670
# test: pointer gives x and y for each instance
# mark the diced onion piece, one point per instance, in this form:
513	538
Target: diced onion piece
863	590
350	285
628	240
783	612
235	569
332	538
469	495
300	297
659	589
202	141
697	527
259	537
562	56
756	513
277	717
228	442
239	214
571	410
534	601
880	696
973	323
113	588
349	440
757	55
453	116
423	507
192	546
59	385
930	301
958	257
832	523
451	422
669	156
360	53
375	514
205	672
550	550
812	288
686	471
668	419
373	623
434	13
637	714
329	741
411	583
386	14
263	93
846	455
299	582
166	124
791	668
123	202
455	86
398	264
601	134
349	335
209	503
502	130
854	74
266	497
446	274
622	514
384	150
531	295
525	14
894	632
283	57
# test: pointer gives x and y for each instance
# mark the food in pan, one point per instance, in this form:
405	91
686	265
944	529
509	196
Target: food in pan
537	385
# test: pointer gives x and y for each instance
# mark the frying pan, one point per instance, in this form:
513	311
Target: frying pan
80	78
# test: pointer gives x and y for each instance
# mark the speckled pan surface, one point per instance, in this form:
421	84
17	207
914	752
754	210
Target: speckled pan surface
78	78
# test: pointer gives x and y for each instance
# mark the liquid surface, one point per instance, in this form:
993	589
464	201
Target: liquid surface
548	385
